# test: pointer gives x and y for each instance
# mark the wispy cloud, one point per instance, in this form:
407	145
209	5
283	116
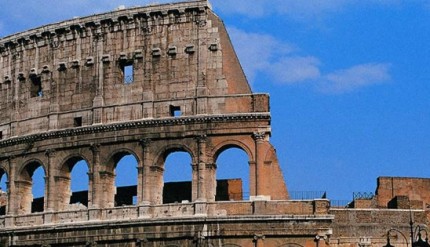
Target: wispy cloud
297	9
286	64
295	69
358	76
257	51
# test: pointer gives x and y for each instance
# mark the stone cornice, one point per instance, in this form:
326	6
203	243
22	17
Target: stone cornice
113	16
99	128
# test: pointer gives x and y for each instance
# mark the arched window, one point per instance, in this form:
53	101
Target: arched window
177	177
79	185
3	191
38	190
232	175
31	187
125	179
72	184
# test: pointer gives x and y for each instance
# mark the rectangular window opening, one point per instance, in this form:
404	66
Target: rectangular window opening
128	73
175	111
77	122
1	135
36	87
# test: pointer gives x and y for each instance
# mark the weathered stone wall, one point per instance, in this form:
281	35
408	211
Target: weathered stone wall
416	191
72	73
148	82
145	82
370	227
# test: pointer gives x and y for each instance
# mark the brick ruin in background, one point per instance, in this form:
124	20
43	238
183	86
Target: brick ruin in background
146	82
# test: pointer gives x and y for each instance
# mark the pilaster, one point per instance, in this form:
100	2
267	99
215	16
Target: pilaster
50	192
143	185
94	180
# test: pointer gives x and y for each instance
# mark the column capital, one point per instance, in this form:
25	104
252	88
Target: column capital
50	153
211	166
323	234
157	169
195	166
201	138
140	169
145	142
61	178
104	174
259	136
259	236
95	147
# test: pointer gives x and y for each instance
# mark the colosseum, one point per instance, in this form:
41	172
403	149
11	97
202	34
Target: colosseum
148	82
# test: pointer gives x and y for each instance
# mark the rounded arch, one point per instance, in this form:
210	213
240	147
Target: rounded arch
169	192
122	164
290	245
161	156
232	174
116	155
231	144
73	170
28	186
4	177
3	172
27	169
4	169
70	161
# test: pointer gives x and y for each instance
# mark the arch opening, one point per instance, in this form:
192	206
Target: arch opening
38	190
73	185
232	174
4	188
177	177
31	187
79	184
126	175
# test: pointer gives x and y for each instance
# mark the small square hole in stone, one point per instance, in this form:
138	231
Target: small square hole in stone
77	122
175	111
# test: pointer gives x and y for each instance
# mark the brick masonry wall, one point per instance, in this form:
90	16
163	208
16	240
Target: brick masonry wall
415	189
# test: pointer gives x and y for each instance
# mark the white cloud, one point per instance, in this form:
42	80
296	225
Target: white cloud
296	69
257	51
358	76
284	63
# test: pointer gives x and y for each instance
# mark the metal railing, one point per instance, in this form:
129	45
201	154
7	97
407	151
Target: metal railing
307	195
362	195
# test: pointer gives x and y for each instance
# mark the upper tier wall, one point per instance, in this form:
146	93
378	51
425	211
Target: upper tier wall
148	62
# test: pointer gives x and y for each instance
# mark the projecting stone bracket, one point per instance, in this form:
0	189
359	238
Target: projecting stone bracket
89	61
62	66
106	58
21	76
7	79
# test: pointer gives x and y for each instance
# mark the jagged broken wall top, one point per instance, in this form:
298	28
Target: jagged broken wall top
73	73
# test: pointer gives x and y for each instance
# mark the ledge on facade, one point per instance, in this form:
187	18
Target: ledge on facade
293	210
97	128
119	14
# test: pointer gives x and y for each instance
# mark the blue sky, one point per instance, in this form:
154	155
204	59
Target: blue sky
348	79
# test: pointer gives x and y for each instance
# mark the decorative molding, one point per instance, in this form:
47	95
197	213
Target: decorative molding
145	142
133	125
156	169
259	136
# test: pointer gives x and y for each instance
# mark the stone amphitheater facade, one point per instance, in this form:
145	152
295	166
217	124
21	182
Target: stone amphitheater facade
146	82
